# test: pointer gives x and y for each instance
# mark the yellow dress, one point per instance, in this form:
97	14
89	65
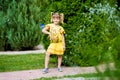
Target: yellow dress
56	45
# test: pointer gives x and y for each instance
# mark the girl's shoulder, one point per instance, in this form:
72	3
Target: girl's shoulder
48	26
61	27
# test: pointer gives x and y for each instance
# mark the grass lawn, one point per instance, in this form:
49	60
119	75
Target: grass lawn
72	76
36	61
24	62
112	75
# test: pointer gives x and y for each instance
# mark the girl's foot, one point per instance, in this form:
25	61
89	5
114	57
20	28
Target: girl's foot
59	69
45	70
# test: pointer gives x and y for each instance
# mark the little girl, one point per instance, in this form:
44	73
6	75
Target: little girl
56	34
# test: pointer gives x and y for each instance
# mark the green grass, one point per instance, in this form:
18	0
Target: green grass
24	62
36	61
102	76
90	75
72	76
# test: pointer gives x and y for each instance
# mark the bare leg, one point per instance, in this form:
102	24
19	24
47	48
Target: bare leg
59	60
47	57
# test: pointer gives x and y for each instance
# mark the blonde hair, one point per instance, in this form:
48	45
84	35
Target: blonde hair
60	15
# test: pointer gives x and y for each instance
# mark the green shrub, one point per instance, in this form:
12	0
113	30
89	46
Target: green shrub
116	46
2	31
93	35
91	27
22	31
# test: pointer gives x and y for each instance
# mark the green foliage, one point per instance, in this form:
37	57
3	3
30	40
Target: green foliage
116	46
23	62
21	29
46	41
93	39
2	31
91	27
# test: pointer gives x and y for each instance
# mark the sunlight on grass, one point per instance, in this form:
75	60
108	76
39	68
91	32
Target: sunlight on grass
89	76
23	62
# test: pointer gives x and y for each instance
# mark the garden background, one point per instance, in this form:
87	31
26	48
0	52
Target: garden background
92	28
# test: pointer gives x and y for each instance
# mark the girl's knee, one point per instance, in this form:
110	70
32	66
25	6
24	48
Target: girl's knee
47	54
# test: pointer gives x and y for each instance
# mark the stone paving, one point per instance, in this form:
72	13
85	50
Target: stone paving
53	72
34	74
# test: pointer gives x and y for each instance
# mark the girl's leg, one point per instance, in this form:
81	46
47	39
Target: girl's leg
47	57
59	60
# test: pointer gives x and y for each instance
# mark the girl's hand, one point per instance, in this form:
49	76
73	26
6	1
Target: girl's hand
64	48
51	37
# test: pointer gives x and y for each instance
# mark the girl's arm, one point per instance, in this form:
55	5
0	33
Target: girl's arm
63	39
45	30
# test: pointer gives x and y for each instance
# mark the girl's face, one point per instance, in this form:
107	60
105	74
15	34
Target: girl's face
56	19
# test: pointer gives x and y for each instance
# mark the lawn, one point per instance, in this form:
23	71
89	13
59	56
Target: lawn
36	61
23	62
112	75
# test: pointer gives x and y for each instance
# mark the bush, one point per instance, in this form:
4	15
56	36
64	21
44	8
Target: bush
22	25
116	46
2	31
93	34
91	27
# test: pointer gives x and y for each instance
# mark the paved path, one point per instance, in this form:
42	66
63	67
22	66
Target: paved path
34	74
